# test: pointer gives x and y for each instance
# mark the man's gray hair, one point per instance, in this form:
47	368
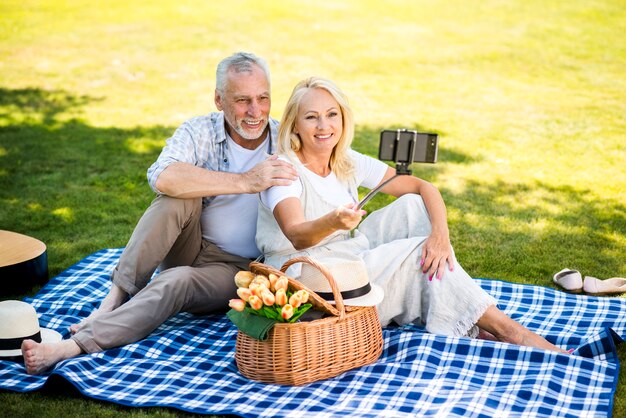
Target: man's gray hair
239	62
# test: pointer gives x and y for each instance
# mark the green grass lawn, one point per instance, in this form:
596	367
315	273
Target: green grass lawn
529	99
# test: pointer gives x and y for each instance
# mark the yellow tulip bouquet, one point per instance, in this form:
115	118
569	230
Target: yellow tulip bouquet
269	297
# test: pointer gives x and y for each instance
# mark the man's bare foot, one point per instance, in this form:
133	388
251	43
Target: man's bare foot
111	301
39	357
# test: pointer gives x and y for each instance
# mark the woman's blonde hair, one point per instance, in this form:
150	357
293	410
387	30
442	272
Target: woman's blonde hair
289	142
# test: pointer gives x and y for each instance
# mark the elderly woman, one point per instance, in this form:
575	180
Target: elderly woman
405	246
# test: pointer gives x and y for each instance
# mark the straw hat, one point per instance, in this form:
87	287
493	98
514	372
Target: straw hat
350	274
19	322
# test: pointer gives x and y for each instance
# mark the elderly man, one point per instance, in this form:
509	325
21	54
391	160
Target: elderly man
200	228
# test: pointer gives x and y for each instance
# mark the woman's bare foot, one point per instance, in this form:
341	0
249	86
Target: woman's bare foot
505	329
528	338
485	335
111	301
39	357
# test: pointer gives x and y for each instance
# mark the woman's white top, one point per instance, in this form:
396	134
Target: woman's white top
369	172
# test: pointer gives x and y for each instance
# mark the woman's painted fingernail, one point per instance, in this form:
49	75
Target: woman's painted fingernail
422	263
430	278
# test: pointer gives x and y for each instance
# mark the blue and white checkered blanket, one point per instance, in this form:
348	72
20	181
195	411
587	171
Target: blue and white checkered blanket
188	363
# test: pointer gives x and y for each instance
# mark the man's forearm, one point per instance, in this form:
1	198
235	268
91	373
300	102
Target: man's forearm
186	181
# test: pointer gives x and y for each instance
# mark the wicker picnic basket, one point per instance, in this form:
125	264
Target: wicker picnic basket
307	351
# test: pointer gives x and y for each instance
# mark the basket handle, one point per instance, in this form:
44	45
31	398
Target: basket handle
327	274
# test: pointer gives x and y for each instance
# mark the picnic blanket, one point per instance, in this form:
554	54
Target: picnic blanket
188	363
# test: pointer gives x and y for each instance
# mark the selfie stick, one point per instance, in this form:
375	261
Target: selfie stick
402	167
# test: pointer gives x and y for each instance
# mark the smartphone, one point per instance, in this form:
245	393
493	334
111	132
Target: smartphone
406	146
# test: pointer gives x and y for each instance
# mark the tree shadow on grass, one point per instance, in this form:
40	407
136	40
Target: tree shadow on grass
76	187
528	232
37	105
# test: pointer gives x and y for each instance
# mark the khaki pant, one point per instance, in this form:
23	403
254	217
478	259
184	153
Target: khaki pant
195	276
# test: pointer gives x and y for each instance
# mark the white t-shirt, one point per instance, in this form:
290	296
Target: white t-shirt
369	173
230	220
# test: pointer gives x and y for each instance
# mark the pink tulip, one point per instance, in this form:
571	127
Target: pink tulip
244	293
294	300
237	304
268	298
255	302
286	311
282	283
281	297
243	278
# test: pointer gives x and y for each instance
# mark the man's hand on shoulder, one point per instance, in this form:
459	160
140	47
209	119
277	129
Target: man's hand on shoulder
268	173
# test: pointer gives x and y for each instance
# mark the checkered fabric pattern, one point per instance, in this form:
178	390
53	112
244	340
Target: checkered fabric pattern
188	362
